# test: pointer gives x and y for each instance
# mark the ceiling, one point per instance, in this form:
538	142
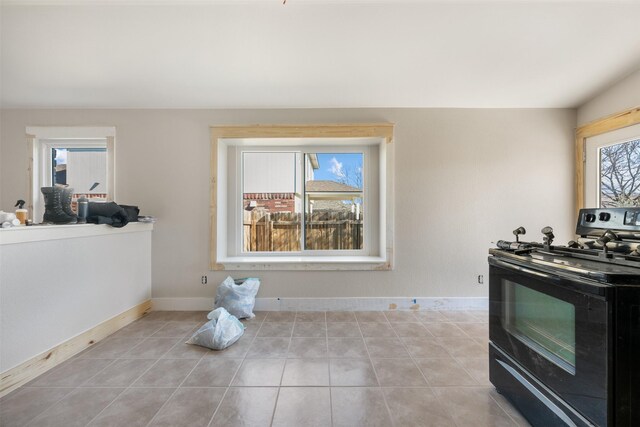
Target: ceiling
311	53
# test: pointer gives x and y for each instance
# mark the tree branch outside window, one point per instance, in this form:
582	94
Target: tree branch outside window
620	175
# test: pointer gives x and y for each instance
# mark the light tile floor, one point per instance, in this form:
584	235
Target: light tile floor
395	368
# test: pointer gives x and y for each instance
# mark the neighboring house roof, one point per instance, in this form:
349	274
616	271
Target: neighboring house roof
319	186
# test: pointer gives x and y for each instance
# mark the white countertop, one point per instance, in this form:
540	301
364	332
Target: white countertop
36	233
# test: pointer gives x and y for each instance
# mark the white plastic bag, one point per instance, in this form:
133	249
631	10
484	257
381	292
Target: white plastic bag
239	299
219	332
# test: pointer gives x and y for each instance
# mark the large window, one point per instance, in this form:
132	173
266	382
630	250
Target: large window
304	200
300	202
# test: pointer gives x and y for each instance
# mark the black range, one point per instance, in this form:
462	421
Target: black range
565	322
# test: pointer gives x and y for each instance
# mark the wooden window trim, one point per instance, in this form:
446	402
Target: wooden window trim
360	130
610	123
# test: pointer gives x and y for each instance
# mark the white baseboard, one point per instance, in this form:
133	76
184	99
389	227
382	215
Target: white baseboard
328	304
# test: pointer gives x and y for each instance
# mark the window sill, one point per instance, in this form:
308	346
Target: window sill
304	263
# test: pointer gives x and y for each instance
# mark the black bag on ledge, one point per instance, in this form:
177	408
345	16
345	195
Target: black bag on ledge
107	213
132	212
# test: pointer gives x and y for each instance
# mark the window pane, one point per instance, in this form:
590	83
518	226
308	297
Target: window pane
620	175
83	169
271	208
334	201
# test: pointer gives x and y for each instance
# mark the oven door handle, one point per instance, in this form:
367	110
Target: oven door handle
582	285
524	269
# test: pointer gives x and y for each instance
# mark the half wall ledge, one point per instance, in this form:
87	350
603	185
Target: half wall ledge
37	233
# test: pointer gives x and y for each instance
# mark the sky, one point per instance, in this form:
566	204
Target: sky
334	165
61	156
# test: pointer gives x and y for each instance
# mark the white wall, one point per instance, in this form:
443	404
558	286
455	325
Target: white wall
464	178
53	290
621	96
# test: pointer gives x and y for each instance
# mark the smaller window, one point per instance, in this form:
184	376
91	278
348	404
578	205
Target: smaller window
618	128
81	158
82	168
612	169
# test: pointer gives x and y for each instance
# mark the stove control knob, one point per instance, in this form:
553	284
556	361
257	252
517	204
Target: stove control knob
604	216
518	231
589	218
548	235
607	237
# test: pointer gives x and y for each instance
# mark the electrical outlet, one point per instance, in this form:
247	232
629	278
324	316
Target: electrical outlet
203	280
480	279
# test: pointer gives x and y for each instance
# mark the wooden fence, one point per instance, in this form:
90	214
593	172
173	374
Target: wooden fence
281	231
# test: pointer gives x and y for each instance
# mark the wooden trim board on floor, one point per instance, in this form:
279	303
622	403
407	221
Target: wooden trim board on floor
25	372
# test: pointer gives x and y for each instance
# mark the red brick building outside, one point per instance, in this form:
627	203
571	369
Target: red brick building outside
272	202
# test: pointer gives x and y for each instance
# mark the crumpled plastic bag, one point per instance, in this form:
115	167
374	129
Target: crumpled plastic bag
222	330
238	297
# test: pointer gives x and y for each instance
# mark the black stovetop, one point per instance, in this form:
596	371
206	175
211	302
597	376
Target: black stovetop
607	249
555	261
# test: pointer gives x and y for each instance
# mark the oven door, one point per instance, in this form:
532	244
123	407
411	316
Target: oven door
556	331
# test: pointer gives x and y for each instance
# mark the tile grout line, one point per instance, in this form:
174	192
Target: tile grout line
133	382
467	372
326	334
224	395
455	358
286	358
425	378
366	347
178	387
113	361
32	420
244	356
503	410
431	387
139	376
413	359
493	398
267	386
73	388
422	373
411	355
